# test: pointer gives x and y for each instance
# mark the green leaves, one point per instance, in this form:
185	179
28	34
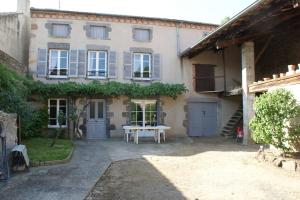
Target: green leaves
272	111
109	89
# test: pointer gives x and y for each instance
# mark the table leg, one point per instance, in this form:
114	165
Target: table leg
158	137
127	137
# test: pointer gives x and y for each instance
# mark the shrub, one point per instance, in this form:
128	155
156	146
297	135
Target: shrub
272	111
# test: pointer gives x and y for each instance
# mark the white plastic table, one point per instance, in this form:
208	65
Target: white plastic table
136	129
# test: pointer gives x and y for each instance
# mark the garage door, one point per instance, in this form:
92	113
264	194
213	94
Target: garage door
202	118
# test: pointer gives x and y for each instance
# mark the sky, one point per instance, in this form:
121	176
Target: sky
210	11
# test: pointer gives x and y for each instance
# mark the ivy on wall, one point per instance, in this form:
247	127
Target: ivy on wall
109	89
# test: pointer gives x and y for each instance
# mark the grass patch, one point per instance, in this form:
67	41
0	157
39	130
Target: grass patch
39	149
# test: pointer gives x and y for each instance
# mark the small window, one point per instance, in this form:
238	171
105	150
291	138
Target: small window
97	64
98	32
143	35
54	108
143	113
58	63
60	30
141	65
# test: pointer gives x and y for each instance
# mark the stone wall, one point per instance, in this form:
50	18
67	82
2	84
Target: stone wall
15	31
9	128
9	61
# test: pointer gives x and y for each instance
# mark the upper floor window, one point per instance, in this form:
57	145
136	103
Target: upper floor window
205	78
97	64
141	65
60	30
58	62
55	107
98	32
142	34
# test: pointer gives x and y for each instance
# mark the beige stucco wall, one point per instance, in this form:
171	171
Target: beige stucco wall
164	42
173	71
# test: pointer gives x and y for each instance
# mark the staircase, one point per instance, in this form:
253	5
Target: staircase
229	130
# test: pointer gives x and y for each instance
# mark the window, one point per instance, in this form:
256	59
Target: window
143	113
98	32
205	78
141	65
142	35
54	107
97	64
60	30
58	63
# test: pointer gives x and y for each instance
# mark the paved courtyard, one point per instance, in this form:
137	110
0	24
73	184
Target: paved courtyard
206	168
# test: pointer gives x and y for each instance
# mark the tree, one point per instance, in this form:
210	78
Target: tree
225	19
61	121
272	112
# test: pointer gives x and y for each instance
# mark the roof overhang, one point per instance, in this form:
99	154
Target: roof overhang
258	20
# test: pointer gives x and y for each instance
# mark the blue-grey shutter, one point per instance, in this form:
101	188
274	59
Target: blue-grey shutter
81	63
41	70
156	69
127	61
73	67
112	64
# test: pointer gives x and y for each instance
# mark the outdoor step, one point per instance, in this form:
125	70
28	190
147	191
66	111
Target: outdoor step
228	128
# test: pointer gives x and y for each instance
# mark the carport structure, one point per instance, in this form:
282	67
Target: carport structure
268	36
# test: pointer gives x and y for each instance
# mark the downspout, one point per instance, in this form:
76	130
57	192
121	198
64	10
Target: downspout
224	71
178	25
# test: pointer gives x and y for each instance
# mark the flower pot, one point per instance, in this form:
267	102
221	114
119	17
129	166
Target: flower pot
292	68
275	76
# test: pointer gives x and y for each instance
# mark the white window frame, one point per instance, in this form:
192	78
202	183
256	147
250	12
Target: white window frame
142	66
57	113
58	63
143	104
97	64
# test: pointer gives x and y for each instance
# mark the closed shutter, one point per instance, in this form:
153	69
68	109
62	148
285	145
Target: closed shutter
127	60
81	63
42	63
112	65
73	69
156	69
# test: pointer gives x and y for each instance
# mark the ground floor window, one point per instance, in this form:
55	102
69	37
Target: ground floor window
143	113
54	107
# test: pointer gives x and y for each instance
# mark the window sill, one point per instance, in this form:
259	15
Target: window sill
57	77
141	79
97	77
56	126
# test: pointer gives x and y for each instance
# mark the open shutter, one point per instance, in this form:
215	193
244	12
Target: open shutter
73	68
41	63
112	65
156	69
81	63
127	60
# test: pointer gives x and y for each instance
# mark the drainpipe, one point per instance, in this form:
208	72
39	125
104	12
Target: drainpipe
178	25
224	71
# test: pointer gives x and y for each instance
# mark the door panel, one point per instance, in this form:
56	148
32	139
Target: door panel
96	123
202	119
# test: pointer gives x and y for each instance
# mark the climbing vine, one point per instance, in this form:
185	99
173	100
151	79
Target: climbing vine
109	89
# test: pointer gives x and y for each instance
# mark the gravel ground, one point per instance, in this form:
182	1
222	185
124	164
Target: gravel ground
199	170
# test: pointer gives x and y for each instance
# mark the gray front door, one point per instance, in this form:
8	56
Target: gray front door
202	117
96	123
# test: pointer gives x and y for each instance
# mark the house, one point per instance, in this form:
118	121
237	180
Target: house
81	47
265	37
